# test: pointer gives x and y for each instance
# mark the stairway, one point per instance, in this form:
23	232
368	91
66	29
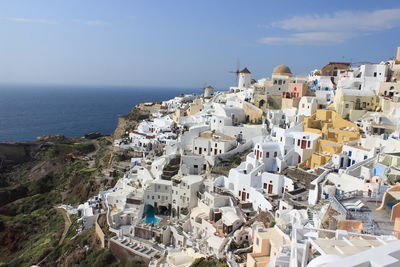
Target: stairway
172	168
310	216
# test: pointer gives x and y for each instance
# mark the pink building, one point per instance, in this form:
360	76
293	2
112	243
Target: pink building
296	90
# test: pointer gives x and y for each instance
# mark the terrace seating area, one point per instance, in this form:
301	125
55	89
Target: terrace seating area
136	247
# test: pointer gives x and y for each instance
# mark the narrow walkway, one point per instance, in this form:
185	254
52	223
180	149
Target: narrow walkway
67	223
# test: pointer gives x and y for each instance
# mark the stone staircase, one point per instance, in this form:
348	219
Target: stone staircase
172	168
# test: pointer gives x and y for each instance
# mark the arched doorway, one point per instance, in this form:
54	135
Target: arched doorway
261	103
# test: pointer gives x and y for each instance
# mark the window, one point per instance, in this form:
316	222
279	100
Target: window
308	144
267	155
215	145
195	148
195	166
298	142
158	196
374	74
346	106
220	151
350	152
275	154
281	139
365	157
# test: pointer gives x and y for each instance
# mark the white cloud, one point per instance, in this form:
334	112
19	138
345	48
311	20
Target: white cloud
97	22
333	28
316	38
344	21
29	20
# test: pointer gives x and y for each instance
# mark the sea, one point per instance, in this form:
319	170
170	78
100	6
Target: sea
28	111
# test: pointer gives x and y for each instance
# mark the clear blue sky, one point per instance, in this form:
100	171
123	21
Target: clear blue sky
186	43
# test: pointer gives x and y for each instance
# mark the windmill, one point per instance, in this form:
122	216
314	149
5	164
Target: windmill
237	71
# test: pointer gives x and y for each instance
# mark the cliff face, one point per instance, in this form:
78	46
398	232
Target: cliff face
13	153
131	120
34	178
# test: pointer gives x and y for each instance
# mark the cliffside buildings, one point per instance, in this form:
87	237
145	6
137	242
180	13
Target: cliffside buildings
283	171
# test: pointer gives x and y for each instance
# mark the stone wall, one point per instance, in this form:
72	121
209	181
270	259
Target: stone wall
253	113
100	234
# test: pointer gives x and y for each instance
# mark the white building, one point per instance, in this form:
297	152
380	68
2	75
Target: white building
244	79
307	106
184	194
352	154
158	194
209	144
208	91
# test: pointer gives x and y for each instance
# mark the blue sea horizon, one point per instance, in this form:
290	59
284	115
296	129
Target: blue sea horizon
28	111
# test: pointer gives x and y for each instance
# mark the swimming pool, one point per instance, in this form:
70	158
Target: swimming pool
150	216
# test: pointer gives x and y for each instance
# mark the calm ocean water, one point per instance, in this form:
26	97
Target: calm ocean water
30	111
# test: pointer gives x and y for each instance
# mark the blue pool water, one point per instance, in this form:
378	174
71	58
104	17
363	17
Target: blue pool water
150	216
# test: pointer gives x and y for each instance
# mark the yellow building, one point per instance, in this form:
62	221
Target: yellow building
334	131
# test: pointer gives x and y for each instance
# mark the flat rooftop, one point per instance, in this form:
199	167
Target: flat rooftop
346	247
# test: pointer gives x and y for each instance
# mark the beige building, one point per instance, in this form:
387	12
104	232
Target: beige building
266	245
195	107
352	104
389	93
253	113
